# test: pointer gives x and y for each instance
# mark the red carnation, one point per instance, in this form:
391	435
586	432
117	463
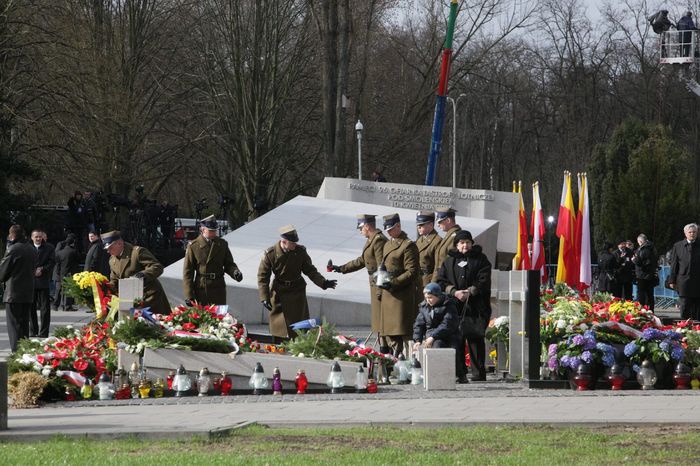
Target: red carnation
188	326
80	365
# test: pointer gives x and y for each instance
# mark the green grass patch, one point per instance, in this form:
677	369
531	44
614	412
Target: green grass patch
502	445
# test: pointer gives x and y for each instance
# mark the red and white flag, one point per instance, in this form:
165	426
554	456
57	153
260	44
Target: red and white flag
537	230
583	236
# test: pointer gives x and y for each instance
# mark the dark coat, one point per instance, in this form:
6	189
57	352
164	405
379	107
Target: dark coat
132	260
97	259
443	325
400	303
202	259
685	269
371	257
67	261
475	276
607	266
287	295
17	272
446	245
645	262
44	258
625	267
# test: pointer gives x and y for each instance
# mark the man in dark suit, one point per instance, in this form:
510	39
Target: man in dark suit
67	264
44	261
685	272
97	259
17	272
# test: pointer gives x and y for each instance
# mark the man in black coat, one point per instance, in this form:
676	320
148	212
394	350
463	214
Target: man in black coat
645	268
17	272
44	261
685	272
624	273
466	275
437	325
97	259
607	266
67	263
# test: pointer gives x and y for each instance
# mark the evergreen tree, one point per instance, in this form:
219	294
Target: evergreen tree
643	186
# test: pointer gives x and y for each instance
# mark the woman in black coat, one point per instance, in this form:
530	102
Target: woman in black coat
466	275
607	268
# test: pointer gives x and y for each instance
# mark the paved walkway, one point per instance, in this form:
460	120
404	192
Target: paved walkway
489	402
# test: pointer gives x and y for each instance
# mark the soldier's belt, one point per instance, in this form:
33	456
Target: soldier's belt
288	282
210	276
426	271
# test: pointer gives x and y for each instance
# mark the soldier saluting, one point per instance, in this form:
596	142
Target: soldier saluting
286	298
371	257
207	259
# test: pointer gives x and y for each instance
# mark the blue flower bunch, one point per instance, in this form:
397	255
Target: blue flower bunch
568	354
656	345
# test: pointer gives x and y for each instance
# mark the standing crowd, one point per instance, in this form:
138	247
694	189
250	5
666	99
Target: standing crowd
619	268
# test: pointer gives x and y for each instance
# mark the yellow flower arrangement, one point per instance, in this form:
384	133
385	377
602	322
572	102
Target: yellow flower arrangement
84	279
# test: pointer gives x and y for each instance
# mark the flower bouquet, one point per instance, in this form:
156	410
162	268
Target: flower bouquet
576	349
80	355
90	289
198	320
567	316
655	345
497	331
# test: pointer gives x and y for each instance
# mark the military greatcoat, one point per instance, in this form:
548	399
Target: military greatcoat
427	248
399	305
371	257
446	245
206	262
288	291
132	260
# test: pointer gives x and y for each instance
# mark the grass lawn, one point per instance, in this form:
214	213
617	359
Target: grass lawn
259	445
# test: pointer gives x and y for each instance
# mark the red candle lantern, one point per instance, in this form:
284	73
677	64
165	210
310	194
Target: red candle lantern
371	386
225	384
301	382
616	377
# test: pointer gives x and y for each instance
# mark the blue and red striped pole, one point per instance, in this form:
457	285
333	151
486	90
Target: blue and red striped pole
439	119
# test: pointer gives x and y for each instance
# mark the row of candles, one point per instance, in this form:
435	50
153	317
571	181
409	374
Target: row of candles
136	383
646	377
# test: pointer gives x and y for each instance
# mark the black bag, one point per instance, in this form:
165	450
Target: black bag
472	324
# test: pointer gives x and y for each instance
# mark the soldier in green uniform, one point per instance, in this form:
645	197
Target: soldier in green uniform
446	220
129	261
427	242
207	259
286	298
399	295
370	259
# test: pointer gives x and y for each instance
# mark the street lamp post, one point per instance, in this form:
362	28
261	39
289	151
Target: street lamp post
358	130
550	224
454	137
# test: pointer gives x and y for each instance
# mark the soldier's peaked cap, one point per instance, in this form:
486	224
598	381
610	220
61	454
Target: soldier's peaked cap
442	213
110	237
289	233
210	223
362	219
425	216
390	221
